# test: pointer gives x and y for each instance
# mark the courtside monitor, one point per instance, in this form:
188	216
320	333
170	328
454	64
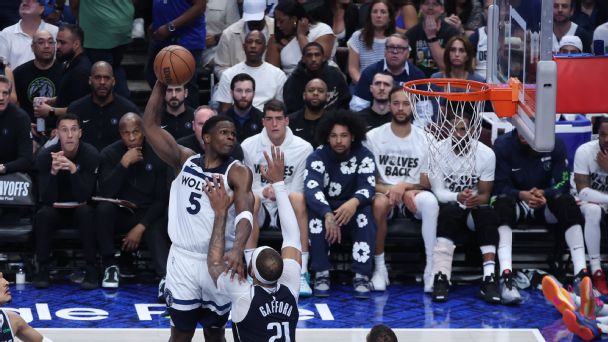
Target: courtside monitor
520	41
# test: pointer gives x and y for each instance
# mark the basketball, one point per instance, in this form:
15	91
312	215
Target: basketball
174	65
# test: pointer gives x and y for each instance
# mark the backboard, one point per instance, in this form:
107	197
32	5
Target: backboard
520	39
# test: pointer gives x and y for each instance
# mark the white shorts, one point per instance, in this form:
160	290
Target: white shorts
188	284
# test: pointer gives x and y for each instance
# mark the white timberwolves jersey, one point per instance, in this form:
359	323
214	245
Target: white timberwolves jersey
190	213
481	64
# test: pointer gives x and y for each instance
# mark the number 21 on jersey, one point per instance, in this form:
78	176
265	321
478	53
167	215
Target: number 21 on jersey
281	328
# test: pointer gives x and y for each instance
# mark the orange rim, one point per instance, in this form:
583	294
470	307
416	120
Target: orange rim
504	97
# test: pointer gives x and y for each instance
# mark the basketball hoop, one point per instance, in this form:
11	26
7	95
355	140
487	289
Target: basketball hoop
440	105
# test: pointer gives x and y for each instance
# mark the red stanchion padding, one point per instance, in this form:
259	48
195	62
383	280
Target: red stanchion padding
581	84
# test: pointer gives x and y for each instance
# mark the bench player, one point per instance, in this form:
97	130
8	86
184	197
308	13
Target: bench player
266	310
189	292
400	149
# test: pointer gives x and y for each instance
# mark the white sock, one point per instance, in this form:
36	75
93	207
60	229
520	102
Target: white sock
248	254
575	241
593	234
379	261
428	211
488	268
304	262
505	244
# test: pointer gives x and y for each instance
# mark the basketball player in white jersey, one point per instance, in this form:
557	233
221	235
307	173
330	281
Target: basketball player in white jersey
591	179
189	291
266	310
400	149
276	132
464	201
11	323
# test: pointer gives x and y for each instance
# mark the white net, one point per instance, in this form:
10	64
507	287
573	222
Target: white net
452	119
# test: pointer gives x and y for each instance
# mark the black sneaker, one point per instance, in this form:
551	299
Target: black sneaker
489	290
90	281
111	277
441	287
42	280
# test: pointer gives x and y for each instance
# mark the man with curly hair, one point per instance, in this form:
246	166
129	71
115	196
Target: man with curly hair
339	185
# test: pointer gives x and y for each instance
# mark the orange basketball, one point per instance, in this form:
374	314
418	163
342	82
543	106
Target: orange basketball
174	65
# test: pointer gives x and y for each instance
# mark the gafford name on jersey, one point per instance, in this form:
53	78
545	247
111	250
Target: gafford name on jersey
276	307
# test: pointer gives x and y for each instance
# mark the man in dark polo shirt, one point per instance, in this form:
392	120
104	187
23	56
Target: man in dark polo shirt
74	82
15	136
396	53
247	118
177	117
130	170
67	173
378	113
303	123
102	109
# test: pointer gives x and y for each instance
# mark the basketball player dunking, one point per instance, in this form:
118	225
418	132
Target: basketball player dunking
190	293
268	309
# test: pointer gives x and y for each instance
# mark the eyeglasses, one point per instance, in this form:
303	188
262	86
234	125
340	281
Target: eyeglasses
396	48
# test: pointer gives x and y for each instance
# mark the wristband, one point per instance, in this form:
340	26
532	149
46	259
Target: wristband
247	215
432	40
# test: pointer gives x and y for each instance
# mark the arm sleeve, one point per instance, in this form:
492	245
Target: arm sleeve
24	147
157	209
559	172
315	197
590	195
83	180
111	176
47	183
443	195
502	174
289	223
366	178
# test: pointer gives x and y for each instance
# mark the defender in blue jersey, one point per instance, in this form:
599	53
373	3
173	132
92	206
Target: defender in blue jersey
189	292
11	324
266	310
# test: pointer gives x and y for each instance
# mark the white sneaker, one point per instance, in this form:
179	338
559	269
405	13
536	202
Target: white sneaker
110	277
379	280
305	290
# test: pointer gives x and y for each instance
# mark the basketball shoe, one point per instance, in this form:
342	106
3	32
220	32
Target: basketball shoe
380	280
580	325
305	290
599	282
489	289
555	294
508	291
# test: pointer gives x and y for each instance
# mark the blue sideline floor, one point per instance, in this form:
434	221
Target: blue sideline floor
402	306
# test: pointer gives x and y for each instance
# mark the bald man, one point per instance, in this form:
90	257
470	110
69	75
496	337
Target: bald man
38	77
195	141
304	122
131	171
102	109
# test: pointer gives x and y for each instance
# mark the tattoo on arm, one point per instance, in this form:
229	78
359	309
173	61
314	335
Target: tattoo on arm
215	262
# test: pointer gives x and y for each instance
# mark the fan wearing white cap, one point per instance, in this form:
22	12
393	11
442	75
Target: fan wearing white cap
230	46
267	309
570	45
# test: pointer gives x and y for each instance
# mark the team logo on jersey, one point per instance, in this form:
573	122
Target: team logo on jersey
168	297
114	121
149	167
188	125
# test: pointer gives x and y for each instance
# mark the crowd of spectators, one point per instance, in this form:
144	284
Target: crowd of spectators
67	120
